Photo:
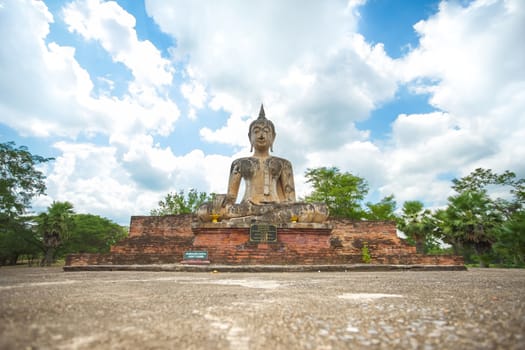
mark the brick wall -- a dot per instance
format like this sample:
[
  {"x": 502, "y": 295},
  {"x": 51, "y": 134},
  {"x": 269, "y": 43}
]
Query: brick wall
[
  {"x": 293, "y": 246},
  {"x": 170, "y": 225},
  {"x": 163, "y": 240},
  {"x": 380, "y": 236},
  {"x": 152, "y": 245}
]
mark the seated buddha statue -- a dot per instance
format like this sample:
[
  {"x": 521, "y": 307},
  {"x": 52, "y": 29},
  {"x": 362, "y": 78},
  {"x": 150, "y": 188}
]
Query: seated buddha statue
[{"x": 270, "y": 192}]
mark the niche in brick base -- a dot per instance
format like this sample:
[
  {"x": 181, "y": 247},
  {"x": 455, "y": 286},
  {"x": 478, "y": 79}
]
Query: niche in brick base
[{"x": 165, "y": 239}]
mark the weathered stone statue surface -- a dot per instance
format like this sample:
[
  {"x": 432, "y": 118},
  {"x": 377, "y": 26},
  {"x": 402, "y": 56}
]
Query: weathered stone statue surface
[{"x": 270, "y": 191}]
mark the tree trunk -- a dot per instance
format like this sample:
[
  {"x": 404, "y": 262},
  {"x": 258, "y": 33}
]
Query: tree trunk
[
  {"x": 11, "y": 259},
  {"x": 482, "y": 249},
  {"x": 48, "y": 257},
  {"x": 420, "y": 244},
  {"x": 51, "y": 242}
]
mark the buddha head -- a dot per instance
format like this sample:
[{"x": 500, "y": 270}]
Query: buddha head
[{"x": 262, "y": 132}]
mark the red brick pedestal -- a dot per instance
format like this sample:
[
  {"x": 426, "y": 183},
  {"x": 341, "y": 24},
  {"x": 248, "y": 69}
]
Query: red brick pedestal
[{"x": 164, "y": 239}]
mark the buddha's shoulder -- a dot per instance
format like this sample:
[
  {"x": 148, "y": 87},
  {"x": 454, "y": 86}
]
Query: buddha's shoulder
[
  {"x": 283, "y": 161},
  {"x": 244, "y": 160}
]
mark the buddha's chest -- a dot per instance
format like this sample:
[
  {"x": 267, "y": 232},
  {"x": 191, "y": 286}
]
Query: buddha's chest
[{"x": 252, "y": 168}]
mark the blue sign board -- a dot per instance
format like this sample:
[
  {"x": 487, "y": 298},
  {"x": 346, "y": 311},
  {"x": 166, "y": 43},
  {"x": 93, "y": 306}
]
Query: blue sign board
[{"x": 196, "y": 255}]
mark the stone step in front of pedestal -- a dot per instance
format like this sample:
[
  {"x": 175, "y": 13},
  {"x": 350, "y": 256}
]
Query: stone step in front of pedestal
[
  {"x": 122, "y": 259},
  {"x": 214, "y": 268}
]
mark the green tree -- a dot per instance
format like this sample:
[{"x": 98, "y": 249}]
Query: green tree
[
  {"x": 471, "y": 223},
  {"x": 20, "y": 181},
  {"x": 480, "y": 178},
  {"x": 179, "y": 203},
  {"x": 54, "y": 228},
  {"x": 383, "y": 210},
  {"x": 417, "y": 224},
  {"x": 342, "y": 192},
  {"x": 17, "y": 239},
  {"x": 476, "y": 223},
  {"x": 510, "y": 246},
  {"x": 92, "y": 234}
]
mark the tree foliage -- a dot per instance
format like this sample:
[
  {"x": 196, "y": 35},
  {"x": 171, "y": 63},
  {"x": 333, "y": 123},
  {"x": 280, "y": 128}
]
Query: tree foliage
[
  {"x": 20, "y": 181},
  {"x": 480, "y": 179},
  {"x": 342, "y": 192},
  {"x": 484, "y": 221},
  {"x": 54, "y": 228},
  {"x": 178, "y": 203},
  {"x": 51, "y": 234},
  {"x": 60, "y": 231},
  {"x": 92, "y": 234},
  {"x": 385, "y": 209},
  {"x": 17, "y": 240},
  {"x": 477, "y": 223},
  {"x": 510, "y": 245},
  {"x": 417, "y": 224}
]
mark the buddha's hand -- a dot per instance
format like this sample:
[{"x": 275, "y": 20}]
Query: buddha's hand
[
  {"x": 228, "y": 200},
  {"x": 217, "y": 203}
]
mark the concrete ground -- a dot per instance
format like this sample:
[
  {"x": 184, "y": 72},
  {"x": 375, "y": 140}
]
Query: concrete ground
[{"x": 46, "y": 308}]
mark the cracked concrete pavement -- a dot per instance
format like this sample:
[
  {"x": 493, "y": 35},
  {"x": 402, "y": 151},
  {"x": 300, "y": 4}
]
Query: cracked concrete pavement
[{"x": 46, "y": 308}]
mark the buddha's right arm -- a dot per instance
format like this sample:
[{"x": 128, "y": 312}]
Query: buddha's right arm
[{"x": 233, "y": 187}]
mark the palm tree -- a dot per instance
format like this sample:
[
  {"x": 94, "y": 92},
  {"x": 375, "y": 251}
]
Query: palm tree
[
  {"x": 55, "y": 227},
  {"x": 415, "y": 223},
  {"x": 472, "y": 220}
]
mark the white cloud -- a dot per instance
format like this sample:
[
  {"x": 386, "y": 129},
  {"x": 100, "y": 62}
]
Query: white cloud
[
  {"x": 46, "y": 92},
  {"x": 114, "y": 28},
  {"x": 470, "y": 59},
  {"x": 195, "y": 92},
  {"x": 91, "y": 178},
  {"x": 39, "y": 82},
  {"x": 303, "y": 59},
  {"x": 97, "y": 181},
  {"x": 475, "y": 53},
  {"x": 235, "y": 132},
  {"x": 315, "y": 92}
]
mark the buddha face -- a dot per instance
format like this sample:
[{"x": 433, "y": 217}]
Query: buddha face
[{"x": 261, "y": 136}]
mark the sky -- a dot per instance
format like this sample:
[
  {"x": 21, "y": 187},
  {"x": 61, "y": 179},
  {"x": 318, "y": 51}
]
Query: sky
[{"x": 138, "y": 98}]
